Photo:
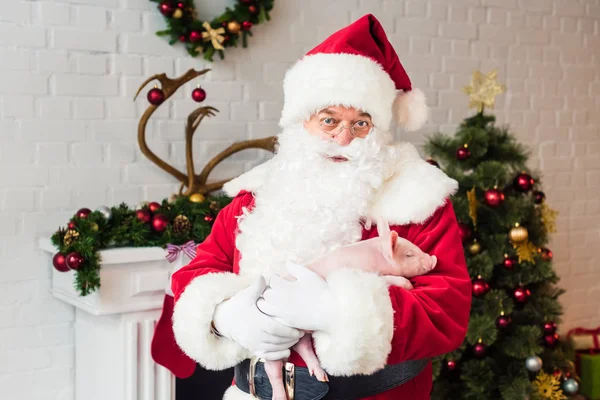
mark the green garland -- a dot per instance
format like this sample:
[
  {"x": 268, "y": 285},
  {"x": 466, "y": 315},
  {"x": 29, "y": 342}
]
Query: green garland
[
  {"x": 232, "y": 26},
  {"x": 88, "y": 235}
]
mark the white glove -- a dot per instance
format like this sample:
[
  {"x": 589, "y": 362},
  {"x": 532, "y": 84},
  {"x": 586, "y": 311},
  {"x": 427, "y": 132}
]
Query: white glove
[
  {"x": 240, "y": 320},
  {"x": 305, "y": 303}
]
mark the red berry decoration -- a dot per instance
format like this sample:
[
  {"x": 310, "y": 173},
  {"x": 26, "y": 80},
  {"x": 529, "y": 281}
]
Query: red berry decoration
[
  {"x": 195, "y": 36},
  {"x": 523, "y": 182},
  {"x": 74, "y": 260},
  {"x": 557, "y": 373},
  {"x": 463, "y": 153},
  {"x": 143, "y": 215},
  {"x": 71, "y": 225},
  {"x": 521, "y": 294},
  {"x": 180, "y": 5},
  {"x": 156, "y": 96},
  {"x": 465, "y": 231},
  {"x": 479, "y": 350},
  {"x": 433, "y": 162},
  {"x": 494, "y": 197},
  {"x": 253, "y": 9},
  {"x": 503, "y": 321},
  {"x": 208, "y": 218},
  {"x": 166, "y": 8},
  {"x": 83, "y": 213},
  {"x": 538, "y": 197},
  {"x": 59, "y": 262},
  {"x": 480, "y": 287},
  {"x": 246, "y": 25},
  {"x": 159, "y": 222},
  {"x": 182, "y": 38},
  {"x": 198, "y": 95},
  {"x": 451, "y": 365},
  {"x": 551, "y": 340},
  {"x": 550, "y": 327},
  {"x": 546, "y": 254},
  {"x": 509, "y": 262},
  {"x": 154, "y": 206},
  {"x": 246, "y": 2}
]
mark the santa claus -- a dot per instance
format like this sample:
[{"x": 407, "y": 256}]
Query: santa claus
[{"x": 335, "y": 171}]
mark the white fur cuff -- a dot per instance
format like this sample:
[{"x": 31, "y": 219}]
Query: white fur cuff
[
  {"x": 361, "y": 335},
  {"x": 192, "y": 317},
  {"x": 233, "y": 393}
]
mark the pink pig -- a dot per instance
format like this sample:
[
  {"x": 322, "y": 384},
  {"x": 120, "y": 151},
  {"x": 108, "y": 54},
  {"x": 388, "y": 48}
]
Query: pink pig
[{"x": 388, "y": 255}]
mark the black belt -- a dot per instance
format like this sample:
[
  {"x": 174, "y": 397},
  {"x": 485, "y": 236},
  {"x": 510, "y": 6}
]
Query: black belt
[{"x": 305, "y": 387}]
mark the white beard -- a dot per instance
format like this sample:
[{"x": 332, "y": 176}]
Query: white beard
[{"x": 309, "y": 205}]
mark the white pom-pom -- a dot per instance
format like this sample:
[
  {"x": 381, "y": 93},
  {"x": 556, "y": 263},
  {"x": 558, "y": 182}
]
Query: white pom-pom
[{"x": 411, "y": 110}]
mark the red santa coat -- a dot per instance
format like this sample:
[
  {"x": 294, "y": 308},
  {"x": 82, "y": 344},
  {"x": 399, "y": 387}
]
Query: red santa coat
[{"x": 381, "y": 325}]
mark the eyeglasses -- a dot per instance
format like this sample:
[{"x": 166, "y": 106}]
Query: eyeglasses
[{"x": 333, "y": 127}]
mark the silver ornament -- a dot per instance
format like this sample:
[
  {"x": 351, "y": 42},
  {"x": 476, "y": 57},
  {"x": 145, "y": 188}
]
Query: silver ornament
[
  {"x": 104, "y": 210},
  {"x": 533, "y": 363},
  {"x": 570, "y": 386}
]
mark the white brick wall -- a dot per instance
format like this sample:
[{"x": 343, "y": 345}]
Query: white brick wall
[{"x": 69, "y": 69}]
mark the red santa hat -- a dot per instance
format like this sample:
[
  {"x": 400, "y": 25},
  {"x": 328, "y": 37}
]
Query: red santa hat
[{"x": 355, "y": 67}]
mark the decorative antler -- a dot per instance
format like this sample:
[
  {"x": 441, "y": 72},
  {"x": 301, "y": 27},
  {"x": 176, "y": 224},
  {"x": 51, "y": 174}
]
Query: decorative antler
[{"x": 195, "y": 183}]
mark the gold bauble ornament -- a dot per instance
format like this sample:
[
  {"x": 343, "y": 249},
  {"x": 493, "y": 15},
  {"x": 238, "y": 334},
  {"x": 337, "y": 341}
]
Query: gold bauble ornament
[
  {"x": 234, "y": 27},
  {"x": 94, "y": 227},
  {"x": 178, "y": 13},
  {"x": 475, "y": 248},
  {"x": 197, "y": 198},
  {"x": 518, "y": 234}
]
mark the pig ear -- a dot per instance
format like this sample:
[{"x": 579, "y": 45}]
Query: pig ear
[
  {"x": 393, "y": 244},
  {"x": 383, "y": 228}
]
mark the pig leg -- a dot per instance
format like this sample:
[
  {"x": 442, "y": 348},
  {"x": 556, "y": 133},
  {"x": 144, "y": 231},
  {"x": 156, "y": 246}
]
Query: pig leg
[
  {"x": 275, "y": 374},
  {"x": 305, "y": 350},
  {"x": 398, "y": 281}
]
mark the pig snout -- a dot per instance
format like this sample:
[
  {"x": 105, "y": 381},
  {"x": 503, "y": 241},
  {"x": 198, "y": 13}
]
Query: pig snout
[{"x": 428, "y": 262}]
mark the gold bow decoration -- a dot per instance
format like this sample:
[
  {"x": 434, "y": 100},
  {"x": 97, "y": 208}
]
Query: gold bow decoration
[{"x": 214, "y": 35}]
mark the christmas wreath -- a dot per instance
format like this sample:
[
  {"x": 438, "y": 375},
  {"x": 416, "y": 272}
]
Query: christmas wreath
[
  {"x": 207, "y": 37},
  {"x": 174, "y": 221}
]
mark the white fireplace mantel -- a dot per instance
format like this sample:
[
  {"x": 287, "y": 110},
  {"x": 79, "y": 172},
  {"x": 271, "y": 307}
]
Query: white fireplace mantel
[{"x": 115, "y": 324}]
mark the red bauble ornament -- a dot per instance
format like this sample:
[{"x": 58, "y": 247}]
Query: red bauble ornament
[
  {"x": 451, "y": 365},
  {"x": 83, "y": 213},
  {"x": 156, "y": 96},
  {"x": 208, "y": 218},
  {"x": 246, "y": 2},
  {"x": 480, "y": 287},
  {"x": 494, "y": 197},
  {"x": 59, "y": 262},
  {"x": 159, "y": 222},
  {"x": 143, "y": 215},
  {"x": 503, "y": 321},
  {"x": 74, "y": 260},
  {"x": 226, "y": 39},
  {"x": 557, "y": 373},
  {"x": 538, "y": 197},
  {"x": 479, "y": 350},
  {"x": 521, "y": 294},
  {"x": 551, "y": 340},
  {"x": 198, "y": 95},
  {"x": 523, "y": 182},
  {"x": 465, "y": 231},
  {"x": 166, "y": 8},
  {"x": 253, "y": 9},
  {"x": 71, "y": 225},
  {"x": 433, "y": 162},
  {"x": 182, "y": 38},
  {"x": 546, "y": 254},
  {"x": 195, "y": 36},
  {"x": 550, "y": 328},
  {"x": 509, "y": 262},
  {"x": 154, "y": 206},
  {"x": 180, "y": 5},
  {"x": 246, "y": 25},
  {"x": 463, "y": 153}
]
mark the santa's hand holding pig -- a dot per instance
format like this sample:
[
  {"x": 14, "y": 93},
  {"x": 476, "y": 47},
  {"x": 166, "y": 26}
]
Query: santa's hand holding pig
[{"x": 335, "y": 171}]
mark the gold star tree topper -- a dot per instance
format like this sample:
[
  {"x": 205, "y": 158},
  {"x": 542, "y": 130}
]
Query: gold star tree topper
[{"x": 483, "y": 90}]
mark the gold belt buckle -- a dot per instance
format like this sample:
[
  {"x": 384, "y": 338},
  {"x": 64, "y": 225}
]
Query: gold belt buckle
[{"x": 289, "y": 380}]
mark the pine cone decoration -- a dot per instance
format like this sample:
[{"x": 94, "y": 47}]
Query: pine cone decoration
[
  {"x": 181, "y": 225},
  {"x": 70, "y": 237},
  {"x": 214, "y": 206}
]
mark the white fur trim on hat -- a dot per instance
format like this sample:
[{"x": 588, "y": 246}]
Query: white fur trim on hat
[
  {"x": 321, "y": 80},
  {"x": 411, "y": 110}
]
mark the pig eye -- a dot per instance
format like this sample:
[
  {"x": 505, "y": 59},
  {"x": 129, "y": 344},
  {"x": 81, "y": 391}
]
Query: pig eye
[{"x": 409, "y": 255}]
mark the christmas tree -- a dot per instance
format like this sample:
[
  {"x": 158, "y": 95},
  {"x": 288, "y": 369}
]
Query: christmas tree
[{"x": 511, "y": 350}]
